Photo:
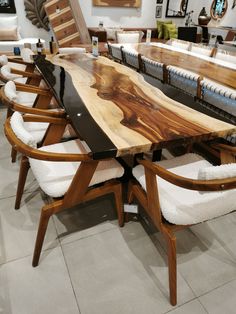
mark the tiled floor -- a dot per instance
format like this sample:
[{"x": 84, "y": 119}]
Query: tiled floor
[{"x": 91, "y": 266}]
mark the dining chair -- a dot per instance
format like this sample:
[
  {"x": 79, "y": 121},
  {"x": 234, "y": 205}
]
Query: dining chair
[
  {"x": 115, "y": 51},
  {"x": 178, "y": 43},
  {"x": 20, "y": 76},
  {"x": 184, "y": 80},
  {"x": 225, "y": 55},
  {"x": 202, "y": 50},
  {"x": 129, "y": 37},
  {"x": 180, "y": 192},
  {"x": 152, "y": 68},
  {"x": 131, "y": 58},
  {"x": 24, "y": 98},
  {"x": 65, "y": 171},
  {"x": 31, "y": 100}
]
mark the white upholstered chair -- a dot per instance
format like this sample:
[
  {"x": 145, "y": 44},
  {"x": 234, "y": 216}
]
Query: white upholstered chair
[
  {"x": 178, "y": 43},
  {"x": 129, "y": 37},
  {"x": 180, "y": 192},
  {"x": 72, "y": 50},
  {"x": 219, "y": 96},
  {"x": 183, "y": 79},
  {"x": 58, "y": 169},
  {"x": 152, "y": 68},
  {"x": 225, "y": 56},
  {"x": 131, "y": 58},
  {"x": 201, "y": 50},
  {"x": 115, "y": 51}
]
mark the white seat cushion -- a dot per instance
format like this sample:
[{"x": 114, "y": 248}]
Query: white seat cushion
[
  {"x": 182, "y": 206},
  {"x": 54, "y": 178},
  {"x": 6, "y": 73}
]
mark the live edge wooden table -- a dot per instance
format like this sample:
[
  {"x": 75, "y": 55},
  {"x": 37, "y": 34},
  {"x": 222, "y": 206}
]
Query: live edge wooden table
[{"x": 117, "y": 113}]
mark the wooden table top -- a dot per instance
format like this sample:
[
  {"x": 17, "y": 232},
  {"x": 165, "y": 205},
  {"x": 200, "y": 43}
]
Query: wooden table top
[
  {"x": 207, "y": 69},
  {"x": 116, "y": 112}
]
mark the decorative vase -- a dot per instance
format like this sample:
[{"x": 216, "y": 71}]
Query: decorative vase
[{"x": 203, "y": 18}]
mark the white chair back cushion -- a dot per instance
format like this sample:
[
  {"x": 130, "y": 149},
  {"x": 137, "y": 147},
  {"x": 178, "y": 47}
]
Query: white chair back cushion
[
  {"x": 17, "y": 125},
  {"x": 218, "y": 172},
  {"x": 131, "y": 38},
  {"x": 3, "y": 60},
  {"x": 55, "y": 178},
  {"x": 72, "y": 50},
  {"x": 10, "y": 91},
  {"x": 6, "y": 73},
  {"x": 26, "y": 54},
  {"x": 182, "y": 206},
  {"x": 180, "y": 44},
  {"x": 111, "y": 32},
  {"x": 225, "y": 57},
  {"x": 201, "y": 50}
]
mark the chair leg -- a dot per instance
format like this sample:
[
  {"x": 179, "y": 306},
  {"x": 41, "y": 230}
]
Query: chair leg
[
  {"x": 171, "y": 247},
  {"x": 9, "y": 112},
  {"x": 13, "y": 155},
  {"x": 46, "y": 213},
  {"x": 119, "y": 204},
  {"x": 24, "y": 168}
]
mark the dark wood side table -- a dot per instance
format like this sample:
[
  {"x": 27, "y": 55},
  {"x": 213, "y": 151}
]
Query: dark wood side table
[{"x": 98, "y": 32}]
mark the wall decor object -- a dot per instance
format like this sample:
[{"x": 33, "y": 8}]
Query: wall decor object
[
  {"x": 218, "y": 8},
  {"x": 234, "y": 4},
  {"x": 7, "y": 6},
  {"x": 158, "y": 11},
  {"x": 36, "y": 14},
  {"x": 159, "y": 1},
  {"x": 176, "y": 8},
  {"x": 117, "y": 3},
  {"x": 203, "y": 18}
]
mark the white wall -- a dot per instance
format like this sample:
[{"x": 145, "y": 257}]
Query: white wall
[
  {"x": 113, "y": 16},
  {"x": 27, "y": 28},
  {"x": 145, "y": 16}
]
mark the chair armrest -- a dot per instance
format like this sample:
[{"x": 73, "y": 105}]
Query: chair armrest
[
  {"x": 19, "y": 61},
  {"x": 32, "y": 89},
  {"x": 46, "y": 119},
  {"x": 26, "y": 74},
  {"x": 39, "y": 154},
  {"x": 190, "y": 184}
]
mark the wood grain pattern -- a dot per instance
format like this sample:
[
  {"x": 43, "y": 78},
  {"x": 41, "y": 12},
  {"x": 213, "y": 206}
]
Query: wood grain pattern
[
  {"x": 134, "y": 115},
  {"x": 210, "y": 70},
  {"x": 118, "y": 3}
]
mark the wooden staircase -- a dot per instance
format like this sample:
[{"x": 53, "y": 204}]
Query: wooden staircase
[{"x": 67, "y": 22}]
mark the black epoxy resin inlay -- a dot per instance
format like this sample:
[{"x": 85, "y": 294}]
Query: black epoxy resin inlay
[{"x": 68, "y": 98}]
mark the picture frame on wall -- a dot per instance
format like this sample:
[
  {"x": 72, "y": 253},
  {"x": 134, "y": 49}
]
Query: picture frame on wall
[
  {"x": 7, "y": 6},
  {"x": 158, "y": 11},
  {"x": 159, "y": 1}
]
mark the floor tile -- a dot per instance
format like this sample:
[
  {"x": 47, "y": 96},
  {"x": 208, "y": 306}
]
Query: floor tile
[
  {"x": 45, "y": 289},
  {"x": 121, "y": 271},
  {"x": 221, "y": 300},
  {"x": 193, "y": 307},
  {"x": 206, "y": 254},
  {"x": 18, "y": 228},
  {"x": 86, "y": 219}
]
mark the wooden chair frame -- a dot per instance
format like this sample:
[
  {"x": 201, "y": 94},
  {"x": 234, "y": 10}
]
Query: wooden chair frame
[
  {"x": 40, "y": 106},
  {"x": 150, "y": 202},
  {"x": 33, "y": 78},
  {"x": 78, "y": 191}
]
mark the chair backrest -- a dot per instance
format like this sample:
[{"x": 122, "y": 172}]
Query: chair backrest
[
  {"x": 18, "y": 127},
  {"x": 6, "y": 73},
  {"x": 10, "y": 91},
  {"x": 201, "y": 49},
  {"x": 3, "y": 60},
  {"x": 187, "y": 33},
  {"x": 182, "y": 44},
  {"x": 26, "y": 54},
  {"x": 115, "y": 51},
  {"x": 225, "y": 56},
  {"x": 131, "y": 58},
  {"x": 132, "y": 37}
]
